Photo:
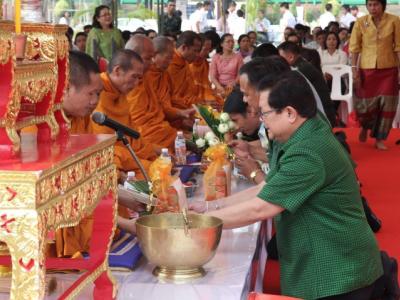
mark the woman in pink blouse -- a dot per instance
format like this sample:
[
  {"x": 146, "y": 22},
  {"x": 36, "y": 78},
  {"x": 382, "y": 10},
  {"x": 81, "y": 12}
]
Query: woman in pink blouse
[{"x": 225, "y": 65}]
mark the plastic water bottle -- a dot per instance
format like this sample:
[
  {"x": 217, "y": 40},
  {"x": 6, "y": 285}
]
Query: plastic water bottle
[
  {"x": 131, "y": 176},
  {"x": 180, "y": 149},
  {"x": 196, "y": 128},
  {"x": 165, "y": 155}
]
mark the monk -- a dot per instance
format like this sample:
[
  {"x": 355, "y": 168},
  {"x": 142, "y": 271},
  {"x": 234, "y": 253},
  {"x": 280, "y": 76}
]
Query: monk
[
  {"x": 124, "y": 73},
  {"x": 185, "y": 91},
  {"x": 80, "y": 100},
  {"x": 200, "y": 69},
  {"x": 146, "y": 111}
]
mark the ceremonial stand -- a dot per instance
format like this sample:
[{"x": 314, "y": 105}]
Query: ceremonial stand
[{"x": 49, "y": 180}]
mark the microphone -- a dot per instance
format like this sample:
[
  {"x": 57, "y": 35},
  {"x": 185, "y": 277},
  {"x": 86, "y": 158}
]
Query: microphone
[{"x": 103, "y": 120}]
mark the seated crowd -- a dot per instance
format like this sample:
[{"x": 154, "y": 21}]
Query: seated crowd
[{"x": 280, "y": 101}]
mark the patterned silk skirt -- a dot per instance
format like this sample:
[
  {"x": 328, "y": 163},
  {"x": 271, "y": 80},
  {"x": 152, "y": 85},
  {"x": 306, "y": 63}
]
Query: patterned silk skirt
[{"x": 375, "y": 100}]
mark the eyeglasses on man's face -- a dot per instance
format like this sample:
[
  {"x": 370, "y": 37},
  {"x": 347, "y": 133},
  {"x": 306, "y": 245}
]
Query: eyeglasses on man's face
[{"x": 264, "y": 114}]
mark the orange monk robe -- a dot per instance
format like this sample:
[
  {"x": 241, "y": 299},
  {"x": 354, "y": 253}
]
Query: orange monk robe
[
  {"x": 72, "y": 241},
  {"x": 115, "y": 106},
  {"x": 161, "y": 84},
  {"x": 185, "y": 92},
  {"x": 200, "y": 70},
  {"x": 147, "y": 113}
]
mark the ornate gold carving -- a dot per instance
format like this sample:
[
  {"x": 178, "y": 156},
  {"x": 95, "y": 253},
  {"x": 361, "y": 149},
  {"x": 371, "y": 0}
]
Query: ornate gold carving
[
  {"x": 34, "y": 80},
  {"x": 6, "y": 47}
]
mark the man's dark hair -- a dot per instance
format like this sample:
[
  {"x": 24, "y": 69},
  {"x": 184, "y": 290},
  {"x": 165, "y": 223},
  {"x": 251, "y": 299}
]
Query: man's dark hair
[
  {"x": 81, "y": 65},
  {"x": 354, "y": 7},
  {"x": 206, "y": 3},
  {"x": 268, "y": 82},
  {"x": 293, "y": 90},
  {"x": 123, "y": 58},
  {"x": 234, "y": 103},
  {"x": 299, "y": 27},
  {"x": 258, "y": 67},
  {"x": 322, "y": 32},
  {"x": 88, "y": 26},
  {"x": 351, "y": 26},
  {"x": 70, "y": 32},
  {"x": 96, "y": 15},
  {"x": 383, "y": 2},
  {"x": 328, "y": 7},
  {"x": 346, "y": 7},
  {"x": 126, "y": 35},
  {"x": 285, "y": 5},
  {"x": 289, "y": 47},
  {"x": 240, "y": 13},
  {"x": 187, "y": 38},
  {"x": 294, "y": 34},
  {"x": 199, "y": 5},
  {"x": 78, "y": 35},
  {"x": 213, "y": 37},
  {"x": 265, "y": 50}
]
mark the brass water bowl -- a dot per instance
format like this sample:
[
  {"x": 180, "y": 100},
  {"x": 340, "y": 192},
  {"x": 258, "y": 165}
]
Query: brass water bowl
[{"x": 179, "y": 256}]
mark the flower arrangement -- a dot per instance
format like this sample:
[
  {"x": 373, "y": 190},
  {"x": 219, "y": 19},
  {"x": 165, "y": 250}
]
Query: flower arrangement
[{"x": 219, "y": 123}]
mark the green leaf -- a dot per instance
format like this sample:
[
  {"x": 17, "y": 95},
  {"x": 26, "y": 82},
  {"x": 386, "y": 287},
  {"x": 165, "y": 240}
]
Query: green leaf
[{"x": 140, "y": 186}]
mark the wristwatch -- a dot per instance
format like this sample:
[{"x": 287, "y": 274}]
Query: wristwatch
[{"x": 253, "y": 174}]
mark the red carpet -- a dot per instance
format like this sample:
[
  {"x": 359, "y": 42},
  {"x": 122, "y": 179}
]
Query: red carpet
[{"x": 379, "y": 173}]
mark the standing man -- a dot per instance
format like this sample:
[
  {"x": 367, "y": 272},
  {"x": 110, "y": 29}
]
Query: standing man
[
  {"x": 327, "y": 16},
  {"x": 287, "y": 20},
  {"x": 170, "y": 22},
  {"x": 347, "y": 17}
]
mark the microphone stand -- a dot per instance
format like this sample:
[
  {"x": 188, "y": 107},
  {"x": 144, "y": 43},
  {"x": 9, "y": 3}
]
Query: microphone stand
[{"x": 125, "y": 141}]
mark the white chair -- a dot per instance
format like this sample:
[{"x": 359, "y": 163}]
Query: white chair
[{"x": 337, "y": 72}]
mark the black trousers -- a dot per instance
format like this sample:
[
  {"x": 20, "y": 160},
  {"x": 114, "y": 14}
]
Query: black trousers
[{"x": 365, "y": 293}]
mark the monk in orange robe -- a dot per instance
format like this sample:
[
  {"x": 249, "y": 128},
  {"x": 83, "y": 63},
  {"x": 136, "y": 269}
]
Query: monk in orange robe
[
  {"x": 185, "y": 91},
  {"x": 200, "y": 69},
  {"x": 125, "y": 71},
  {"x": 146, "y": 110}
]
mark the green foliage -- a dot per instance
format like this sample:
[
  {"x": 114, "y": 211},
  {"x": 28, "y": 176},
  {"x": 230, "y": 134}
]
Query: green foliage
[
  {"x": 273, "y": 13},
  {"x": 60, "y": 7},
  {"x": 211, "y": 121},
  {"x": 251, "y": 12},
  {"x": 312, "y": 14},
  {"x": 140, "y": 12}
]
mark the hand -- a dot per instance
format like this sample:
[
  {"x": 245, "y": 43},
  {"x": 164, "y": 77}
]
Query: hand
[
  {"x": 246, "y": 166},
  {"x": 356, "y": 76},
  {"x": 187, "y": 113},
  {"x": 220, "y": 89},
  {"x": 187, "y": 124},
  {"x": 240, "y": 146},
  {"x": 198, "y": 206},
  {"x": 122, "y": 177}
]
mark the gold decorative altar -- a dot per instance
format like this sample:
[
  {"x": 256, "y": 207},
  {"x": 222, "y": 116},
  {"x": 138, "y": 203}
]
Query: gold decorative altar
[{"x": 49, "y": 180}]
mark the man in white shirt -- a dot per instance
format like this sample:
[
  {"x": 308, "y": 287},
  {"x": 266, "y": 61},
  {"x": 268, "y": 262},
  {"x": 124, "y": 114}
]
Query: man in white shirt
[
  {"x": 196, "y": 18},
  {"x": 347, "y": 17},
  {"x": 355, "y": 12},
  {"x": 287, "y": 20},
  {"x": 327, "y": 16},
  {"x": 239, "y": 27},
  {"x": 232, "y": 18}
]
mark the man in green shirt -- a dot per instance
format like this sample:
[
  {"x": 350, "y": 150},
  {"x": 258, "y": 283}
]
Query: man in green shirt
[{"x": 326, "y": 247}]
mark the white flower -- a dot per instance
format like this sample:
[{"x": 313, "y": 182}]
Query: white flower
[
  {"x": 232, "y": 125},
  {"x": 209, "y": 135},
  {"x": 200, "y": 142},
  {"x": 224, "y": 117},
  {"x": 223, "y": 128},
  {"x": 239, "y": 135},
  {"x": 213, "y": 142}
]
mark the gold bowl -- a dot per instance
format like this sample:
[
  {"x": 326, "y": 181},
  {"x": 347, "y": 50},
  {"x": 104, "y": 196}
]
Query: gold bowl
[{"x": 178, "y": 255}]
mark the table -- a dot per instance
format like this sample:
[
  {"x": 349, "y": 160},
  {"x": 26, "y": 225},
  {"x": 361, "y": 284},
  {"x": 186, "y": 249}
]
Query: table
[
  {"x": 228, "y": 273},
  {"x": 53, "y": 185}
]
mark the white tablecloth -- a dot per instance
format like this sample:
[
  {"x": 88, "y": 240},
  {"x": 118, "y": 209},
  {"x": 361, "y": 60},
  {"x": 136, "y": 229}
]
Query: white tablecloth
[{"x": 227, "y": 273}]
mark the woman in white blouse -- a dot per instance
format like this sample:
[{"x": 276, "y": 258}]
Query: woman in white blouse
[{"x": 332, "y": 55}]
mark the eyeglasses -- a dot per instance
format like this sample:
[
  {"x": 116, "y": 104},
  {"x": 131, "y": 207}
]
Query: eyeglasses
[
  {"x": 264, "y": 114},
  {"x": 105, "y": 15}
]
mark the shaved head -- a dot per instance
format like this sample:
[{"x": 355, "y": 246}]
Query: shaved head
[
  {"x": 123, "y": 59},
  {"x": 143, "y": 46},
  {"x": 164, "y": 51},
  {"x": 81, "y": 66},
  {"x": 162, "y": 44}
]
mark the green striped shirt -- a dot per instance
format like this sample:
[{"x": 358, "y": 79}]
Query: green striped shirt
[{"x": 325, "y": 244}]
